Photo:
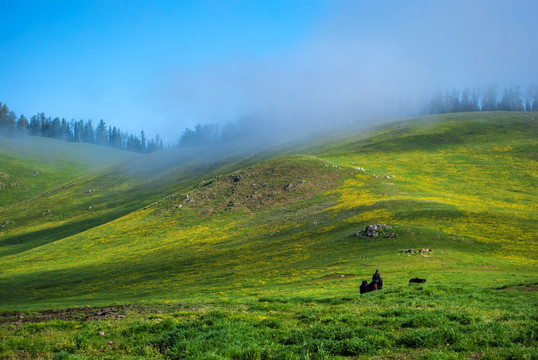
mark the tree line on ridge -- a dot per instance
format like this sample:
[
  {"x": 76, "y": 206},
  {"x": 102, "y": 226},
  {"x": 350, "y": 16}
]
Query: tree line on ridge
[{"x": 467, "y": 100}]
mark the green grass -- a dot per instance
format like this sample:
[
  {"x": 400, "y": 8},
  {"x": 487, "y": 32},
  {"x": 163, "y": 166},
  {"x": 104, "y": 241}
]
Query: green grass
[
  {"x": 426, "y": 321},
  {"x": 255, "y": 257},
  {"x": 32, "y": 166}
]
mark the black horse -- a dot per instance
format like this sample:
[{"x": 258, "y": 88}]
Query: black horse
[
  {"x": 365, "y": 287},
  {"x": 417, "y": 281}
]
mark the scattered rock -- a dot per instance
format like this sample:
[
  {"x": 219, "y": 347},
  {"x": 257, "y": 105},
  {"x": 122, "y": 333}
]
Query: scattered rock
[
  {"x": 45, "y": 212},
  {"x": 408, "y": 251},
  {"x": 207, "y": 211},
  {"x": 4, "y": 224},
  {"x": 208, "y": 183},
  {"x": 371, "y": 231},
  {"x": 425, "y": 251},
  {"x": 35, "y": 173},
  {"x": 292, "y": 186},
  {"x": 188, "y": 199},
  {"x": 391, "y": 235},
  {"x": 238, "y": 178}
]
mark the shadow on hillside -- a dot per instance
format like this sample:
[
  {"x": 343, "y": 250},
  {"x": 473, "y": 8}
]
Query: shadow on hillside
[
  {"x": 416, "y": 142},
  {"x": 404, "y": 138},
  {"x": 12, "y": 245}
]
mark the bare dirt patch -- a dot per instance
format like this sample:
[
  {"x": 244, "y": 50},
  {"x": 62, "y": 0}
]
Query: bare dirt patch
[
  {"x": 520, "y": 287},
  {"x": 70, "y": 314}
]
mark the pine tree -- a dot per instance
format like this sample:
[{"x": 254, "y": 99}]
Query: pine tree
[
  {"x": 22, "y": 125},
  {"x": 56, "y": 129},
  {"x": 65, "y": 131},
  {"x": 3, "y": 118},
  {"x": 535, "y": 100},
  {"x": 101, "y": 134},
  {"x": 35, "y": 126},
  {"x": 489, "y": 99},
  {"x": 89, "y": 133},
  {"x": 143, "y": 144}
]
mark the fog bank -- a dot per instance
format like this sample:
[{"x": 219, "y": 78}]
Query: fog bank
[{"x": 366, "y": 62}]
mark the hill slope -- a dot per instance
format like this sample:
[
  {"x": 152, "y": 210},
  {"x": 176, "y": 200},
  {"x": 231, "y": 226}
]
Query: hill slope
[
  {"x": 463, "y": 185},
  {"x": 31, "y": 166}
]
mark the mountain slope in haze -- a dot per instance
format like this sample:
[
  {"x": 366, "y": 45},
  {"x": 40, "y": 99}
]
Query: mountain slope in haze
[
  {"x": 74, "y": 203},
  {"x": 32, "y": 166},
  {"x": 464, "y": 185}
]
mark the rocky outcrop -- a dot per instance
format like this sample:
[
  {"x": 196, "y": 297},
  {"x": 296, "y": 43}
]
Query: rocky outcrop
[{"x": 372, "y": 231}]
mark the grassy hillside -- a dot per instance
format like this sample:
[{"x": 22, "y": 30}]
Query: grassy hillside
[
  {"x": 80, "y": 199},
  {"x": 263, "y": 249},
  {"x": 31, "y": 166}
]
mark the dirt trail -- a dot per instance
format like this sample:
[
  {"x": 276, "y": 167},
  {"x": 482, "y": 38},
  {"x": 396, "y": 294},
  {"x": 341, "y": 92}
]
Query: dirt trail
[{"x": 70, "y": 314}]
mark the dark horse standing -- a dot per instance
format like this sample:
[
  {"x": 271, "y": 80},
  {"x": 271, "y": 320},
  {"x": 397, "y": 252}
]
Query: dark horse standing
[
  {"x": 365, "y": 287},
  {"x": 376, "y": 284}
]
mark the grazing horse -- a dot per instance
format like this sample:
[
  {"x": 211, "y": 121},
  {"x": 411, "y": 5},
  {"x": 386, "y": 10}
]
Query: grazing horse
[
  {"x": 417, "y": 280},
  {"x": 365, "y": 287}
]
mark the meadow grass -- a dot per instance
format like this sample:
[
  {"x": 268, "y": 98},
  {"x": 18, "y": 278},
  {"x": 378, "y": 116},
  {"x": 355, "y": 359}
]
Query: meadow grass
[
  {"x": 32, "y": 166},
  {"x": 257, "y": 259},
  {"x": 419, "y": 322}
]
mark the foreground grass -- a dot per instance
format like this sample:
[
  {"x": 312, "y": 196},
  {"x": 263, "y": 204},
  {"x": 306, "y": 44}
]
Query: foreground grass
[{"x": 419, "y": 322}]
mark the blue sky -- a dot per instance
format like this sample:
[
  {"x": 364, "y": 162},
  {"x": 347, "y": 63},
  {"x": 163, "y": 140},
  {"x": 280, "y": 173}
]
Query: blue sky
[{"x": 160, "y": 66}]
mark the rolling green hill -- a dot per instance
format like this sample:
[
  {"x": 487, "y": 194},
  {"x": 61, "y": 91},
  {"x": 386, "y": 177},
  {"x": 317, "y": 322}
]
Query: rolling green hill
[
  {"x": 31, "y": 166},
  {"x": 270, "y": 234}
]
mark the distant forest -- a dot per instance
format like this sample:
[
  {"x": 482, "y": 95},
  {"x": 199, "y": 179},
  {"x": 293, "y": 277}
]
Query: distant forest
[
  {"x": 512, "y": 99},
  {"x": 75, "y": 131},
  {"x": 466, "y": 100}
]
